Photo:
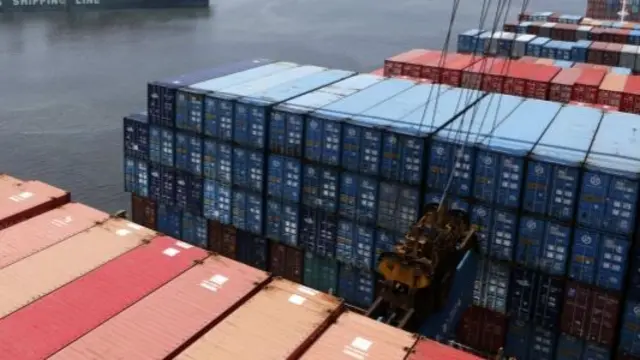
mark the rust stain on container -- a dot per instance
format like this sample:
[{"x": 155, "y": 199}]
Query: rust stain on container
[
  {"x": 222, "y": 239},
  {"x": 394, "y": 65},
  {"x": 28, "y": 199},
  {"x": 143, "y": 211},
  {"x": 31, "y": 236},
  {"x": 562, "y": 84},
  {"x": 611, "y": 90},
  {"x": 426, "y": 349},
  {"x": 279, "y": 322},
  {"x": 34, "y": 277},
  {"x": 354, "y": 336}
]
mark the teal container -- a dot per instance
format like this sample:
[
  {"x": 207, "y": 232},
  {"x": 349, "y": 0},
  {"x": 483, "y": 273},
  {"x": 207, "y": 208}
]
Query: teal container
[{"x": 320, "y": 273}]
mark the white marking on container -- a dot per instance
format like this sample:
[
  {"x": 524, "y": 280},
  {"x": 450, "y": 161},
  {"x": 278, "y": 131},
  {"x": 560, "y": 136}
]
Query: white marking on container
[
  {"x": 61, "y": 222},
  {"x": 123, "y": 232},
  {"x": 171, "y": 251},
  {"x": 134, "y": 226},
  {"x": 183, "y": 245},
  {"x": 215, "y": 283},
  {"x": 359, "y": 348},
  {"x": 21, "y": 197},
  {"x": 307, "y": 291},
  {"x": 297, "y": 299}
]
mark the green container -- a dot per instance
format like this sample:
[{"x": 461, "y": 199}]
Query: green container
[{"x": 320, "y": 273}]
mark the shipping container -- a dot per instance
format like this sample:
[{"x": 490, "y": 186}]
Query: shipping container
[
  {"x": 194, "y": 230},
  {"x": 355, "y": 244},
  {"x": 587, "y": 86},
  {"x": 136, "y": 136},
  {"x": 143, "y": 212},
  {"x": 414, "y": 67},
  {"x": 491, "y": 285},
  {"x": 24, "y": 282},
  {"x": 562, "y": 85},
  {"x": 358, "y": 198},
  {"x": 162, "y": 143},
  {"x": 500, "y": 162},
  {"x": 356, "y": 336},
  {"x": 426, "y": 349},
  {"x": 163, "y": 108},
  {"x": 283, "y": 219},
  {"x": 320, "y": 187},
  {"x": 217, "y": 160},
  {"x": 483, "y": 329},
  {"x": 28, "y": 199},
  {"x": 468, "y": 41},
  {"x": 222, "y": 239},
  {"x": 252, "y": 250},
  {"x": 522, "y": 295},
  {"x": 609, "y": 193},
  {"x": 217, "y": 201},
  {"x": 498, "y": 231},
  {"x": 286, "y": 261},
  {"x": 548, "y": 301},
  {"x": 553, "y": 172},
  {"x": 611, "y": 90},
  {"x": 394, "y": 65},
  {"x": 136, "y": 176},
  {"x": 633, "y": 285},
  {"x": 323, "y": 127},
  {"x": 169, "y": 220},
  {"x": 8, "y": 181},
  {"x": 34, "y": 332},
  {"x": 286, "y": 128},
  {"x": 162, "y": 184},
  {"x": 631, "y": 97},
  {"x": 40, "y": 232},
  {"x": 248, "y": 169},
  {"x": 284, "y": 178},
  {"x": 320, "y": 273},
  {"x": 293, "y": 314},
  {"x": 188, "y": 153},
  {"x": 629, "y": 57},
  {"x": 519, "y": 340},
  {"x": 630, "y": 330},
  {"x": 398, "y": 206},
  {"x": 569, "y": 348},
  {"x": 318, "y": 232},
  {"x": 247, "y": 211},
  {"x": 356, "y": 286},
  {"x": 189, "y": 193}
]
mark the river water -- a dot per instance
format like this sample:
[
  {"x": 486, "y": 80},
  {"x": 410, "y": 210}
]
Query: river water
[{"x": 66, "y": 81}]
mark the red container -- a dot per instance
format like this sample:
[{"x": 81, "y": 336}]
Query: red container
[
  {"x": 38, "y": 233},
  {"x": 143, "y": 211},
  {"x": 597, "y": 34},
  {"x": 203, "y": 296},
  {"x": 516, "y": 80},
  {"x": 548, "y": 62},
  {"x": 562, "y": 85},
  {"x": 591, "y": 66},
  {"x": 587, "y": 85},
  {"x": 426, "y": 349},
  {"x": 19, "y": 202},
  {"x": 590, "y": 313},
  {"x": 286, "y": 261},
  {"x": 611, "y": 90},
  {"x": 413, "y": 67},
  {"x": 379, "y": 72},
  {"x": 222, "y": 239},
  {"x": 528, "y": 59},
  {"x": 595, "y": 106},
  {"x": 53, "y": 322},
  {"x": 483, "y": 329},
  {"x": 539, "y": 81},
  {"x": 596, "y": 52},
  {"x": 472, "y": 77},
  {"x": 452, "y": 70},
  {"x": 7, "y": 180},
  {"x": 555, "y": 17},
  {"x": 631, "y": 96},
  {"x": 394, "y": 65},
  {"x": 510, "y": 27},
  {"x": 494, "y": 77},
  {"x": 611, "y": 56},
  {"x": 432, "y": 69}
]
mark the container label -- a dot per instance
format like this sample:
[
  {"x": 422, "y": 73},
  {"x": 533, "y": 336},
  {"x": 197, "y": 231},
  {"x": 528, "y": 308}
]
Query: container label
[
  {"x": 123, "y": 232},
  {"x": 215, "y": 283},
  {"x": 358, "y": 349},
  {"x": 307, "y": 291},
  {"x": 183, "y": 245},
  {"x": 297, "y": 299},
  {"x": 134, "y": 226},
  {"x": 61, "y": 222},
  {"x": 21, "y": 197},
  {"x": 171, "y": 252}
]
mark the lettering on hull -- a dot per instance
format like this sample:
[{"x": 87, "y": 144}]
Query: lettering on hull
[{"x": 39, "y": 2}]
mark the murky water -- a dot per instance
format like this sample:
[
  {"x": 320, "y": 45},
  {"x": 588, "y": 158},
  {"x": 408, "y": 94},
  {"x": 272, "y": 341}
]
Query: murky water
[{"x": 66, "y": 81}]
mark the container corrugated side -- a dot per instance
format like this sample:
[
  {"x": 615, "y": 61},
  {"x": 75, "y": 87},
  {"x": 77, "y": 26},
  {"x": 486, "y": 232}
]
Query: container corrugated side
[
  {"x": 498, "y": 231},
  {"x": 136, "y": 176},
  {"x": 200, "y": 297},
  {"x": 553, "y": 175},
  {"x": 320, "y": 273},
  {"x": 283, "y": 219},
  {"x": 194, "y": 230},
  {"x": 609, "y": 193},
  {"x": 143, "y": 212},
  {"x": 630, "y": 329},
  {"x": 286, "y": 126},
  {"x": 188, "y": 152},
  {"x": 217, "y": 160},
  {"x": 394, "y": 65},
  {"x": 161, "y": 94},
  {"x": 284, "y": 178},
  {"x": 252, "y": 250},
  {"x": 320, "y": 185},
  {"x": 355, "y": 244},
  {"x": 24, "y": 282},
  {"x": 543, "y": 245},
  {"x": 51, "y": 324},
  {"x": 162, "y": 145},
  {"x": 491, "y": 285},
  {"x": 354, "y": 335},
  {"x": 247, "y": 211},
  {"x": 569, "y": 348},
  {"x": 169, "y": 220},
  {"x": 295, "y": 315},
  {"x": 136, "y": 136},
  {"x": 189, "y": 193},
  {"x": 249, "y": 169},
  {"x": 518, "y": 341},
  {"x": 501, "y": 156},
  {"x": 483, "y": 329},
  {"x": 223, "y": 239},
  {"x": 38, "y": 233},
  {"x": 356, "y": 286},
  {"x": 318, "y": 232},
  {"x": 28, "y": 199},
  {"x": 611, "y": 90},
  {"x": 217, "y": 200}
]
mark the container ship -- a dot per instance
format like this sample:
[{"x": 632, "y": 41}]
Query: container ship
[{"x": 472, "y": 205}]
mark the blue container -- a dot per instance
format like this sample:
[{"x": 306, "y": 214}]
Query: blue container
[
  {"x": 155, "y": 182},
  {"x": 282, "y": 221},
  {"x": 248, "y": 169},
  {"x": 323, "y": 127},
  {"x": 161, "y": 146},
  {"x": 543, "y": 344},
  {"x": 553, "y": 173},
  {"x": 189, "y": 153},
  {"x": 189, "y": 193},
  {"x": 599, "y": 259},
  {"x": 564, "y": 63},
  {"x": 498, "y": 231},
  {"x": 621, "y": 71},
  {"x": 523, "y": 27},
  {"x": 549, "y": 301},
  {"x": 398, "y": 206},
  {"x": 564, "y": 52},
  {"x": 549, "y": 50},
  {"x": 535, "y": 46},
  {"x": 633, "y": 287},
  {"x": 217, "y": 160},
  {"x": 318, "y": 232},
  {"x": 468, "y": 40},
  {"x": 169, "y": 221},
  {"x": 356, "y": 286},
  {"x": 500, "y": 160},
  {"x": 630, "y": 329},
  {"x": 453, "y": 147},
  {"x": 217, "y": 201},
  {"x": 285, "y": 178},
  {"x": 385, "y": 241},
  {"x": 543, "y": 245},
  {"x": 491, "y": 288},
  {"x": 247, "y": 208},
  {"x": 194, "y": 230},
  {"x": 569, "y": 348},
  {"x": 286, "y": 128},
  {"x": 136, "y": 136},
  {"x": 364, "y": 144},
  {"x": 136, "y": 176},
  {"x": 251, "y": 250},
  {"x": 358, "y": 198},
  {"x": 522, "y": 294},
  {"x": 161, "y": 100},
  {"x": 609, "y": 193},
  {"x": 519, "y": 340},
  {"x": 505, "y": 44},
  {"x": 634, "y": 37},
  {"x": 596, "y": 352},
  {"x": 355, "y": 244},
  {"x": 320, "y": 187},
  {"x": 580, "y": 51}
]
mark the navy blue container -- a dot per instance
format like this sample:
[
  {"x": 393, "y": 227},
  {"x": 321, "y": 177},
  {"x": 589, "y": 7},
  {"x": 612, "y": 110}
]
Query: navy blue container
[
  {"x": 169, "y": 221},
  {"x": 323, "y": 127},
  {"x": 161, "y": 95},
  {"x": 596, "y": 352},
  {"x": 580, "y": 51},
  {"x": 453, "y": 146},
  {"x": 285, "y": 178},
  {"x": 136, "y": 136},
  {"x": 543, "y": 245},
  {"x": 168, "y": 186},
  {"x": 189, "y": 153},
  {"x": 398, "y": 206},
  {"x": 136, "y": 176},
  {"x": 358, "y": 198},
  {"x": 497, "y": 231},
  {"x": 246, "y": 209},
  {"x": 599, "y": 259},
  {"x": 553, "y": 172},
  {"x": 252, "y": 250},
  {"x": 385, "y": 241},
  {"x": 549, "y": 301},
  {"x": 189, "y": 193},
  {"x": 630, "y": 329},
  {"x": 609, "y": 193},
  {"x": 194, "y": 230},
  {"x": 569, "y": 348},
  {"x": 161, "y": 146},
  {"x": 320, "y": 187},
  {"x": 318, "y": 232},
  {"x": 355, "y": 244},
  {"x": 519, "y": 340},
  {"x": 286, "y": 130},
  {"x": 535, "y": 46},
  {"x": 283, "y": 220},
  {"x": 217, "y": 160},
  {"x": 452, "y": 202},
  {"x": 356, "y": 286},
  {"x": 248, "y": 169},
  {"x": 633, "y": 286},
  {"x": 522, "y": 294},
  {"x": 500, "y": 159},
  {"x": 543, "y": 344},
  {"x": 491, "y": 287},
  {"x": 468, "y": 40},
  {"x": 217, "y": 201},
  {"x": 155, "y": 182}
]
